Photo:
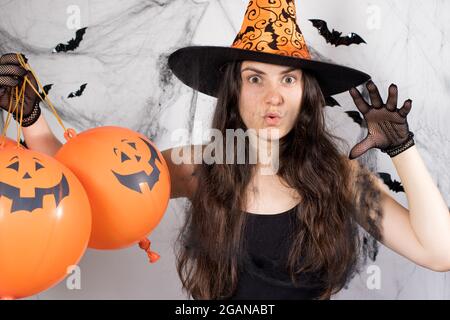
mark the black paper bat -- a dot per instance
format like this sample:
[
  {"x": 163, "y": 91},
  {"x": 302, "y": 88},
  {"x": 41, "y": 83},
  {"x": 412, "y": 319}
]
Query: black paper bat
[
  {"x": 356, "y": 116},
  {"x": 73, "y": 43},
  {"x": 334, "y": 37},
  {"x": 331, "y": 102},
  {"x": 59, "y": 191},
  {"x": 47, "y": 89},
  {"x": 133, "y": 180},
  {"x": 393, "y": 185},
  {"x": 77, "y": 93}
]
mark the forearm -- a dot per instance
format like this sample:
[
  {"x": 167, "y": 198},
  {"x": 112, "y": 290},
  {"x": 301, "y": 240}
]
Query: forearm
[
  {"x": 429, "y": 214},
  {"x": 39, "y": 137}
]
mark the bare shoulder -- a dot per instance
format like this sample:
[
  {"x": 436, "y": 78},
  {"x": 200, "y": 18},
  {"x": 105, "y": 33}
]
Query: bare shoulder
[{"x": 183, "y": 163}]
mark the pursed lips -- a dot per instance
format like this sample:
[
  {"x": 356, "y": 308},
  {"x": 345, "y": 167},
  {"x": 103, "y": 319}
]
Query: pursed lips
[{"x": 272, "y": 118}]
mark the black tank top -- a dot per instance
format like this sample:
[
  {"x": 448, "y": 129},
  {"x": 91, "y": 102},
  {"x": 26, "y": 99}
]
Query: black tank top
[{"x": 263, "y": 272}]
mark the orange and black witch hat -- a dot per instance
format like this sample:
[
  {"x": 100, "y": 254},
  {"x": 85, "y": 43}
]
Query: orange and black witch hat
[{"x": 269, "y": 34}]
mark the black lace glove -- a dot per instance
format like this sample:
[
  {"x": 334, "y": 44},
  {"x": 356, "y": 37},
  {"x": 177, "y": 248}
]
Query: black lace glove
[
  {"x": 12, "y": 75},
  {"x": 387, "y": 125}
]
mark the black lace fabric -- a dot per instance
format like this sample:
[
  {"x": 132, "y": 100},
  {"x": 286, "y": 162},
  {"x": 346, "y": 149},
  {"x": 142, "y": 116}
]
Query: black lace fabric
[{"x": 11, "y": 78}]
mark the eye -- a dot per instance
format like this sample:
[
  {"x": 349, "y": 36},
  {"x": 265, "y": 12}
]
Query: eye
[
  {"x": 14, "y": 166},
  {"x": 38, "y": 166},
  {"x": 124, "y": 157},
  {"x": 289, "y": 80},
  {"x": 254, "y": 79},
  {"x": 132, "y": 144}
]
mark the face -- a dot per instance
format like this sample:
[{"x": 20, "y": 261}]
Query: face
[
  {"x": 271, "y": 97},
  {"x": 26, "y": 179},
  {"x": 137, "y": 164}
]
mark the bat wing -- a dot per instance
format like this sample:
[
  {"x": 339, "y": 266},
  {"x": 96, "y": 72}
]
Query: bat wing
[
  {"x": 331, "y": 102},
  {"x": 357, "y": 38},
  {"x": 46, "y": 89},
  {"x": 352, "y": 38},
  {"x": 356, "y": 116},
  {"x": 79, "y": 92},
  {"x": 72, "y": 44},
  {"x": 393, "y": 185},
  {"x": 322, "y": 26},
  {"x": 79, "y": 34},
  {"x": 334, "y": 37}
]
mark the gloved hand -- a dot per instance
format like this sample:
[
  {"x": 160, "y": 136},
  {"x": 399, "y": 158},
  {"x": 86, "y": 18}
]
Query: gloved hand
[
  {"x": 12, "y": 75},
  {"x": 387, "y": 125}
]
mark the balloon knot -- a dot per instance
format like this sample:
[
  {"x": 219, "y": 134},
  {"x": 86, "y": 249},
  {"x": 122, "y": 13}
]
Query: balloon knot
[{"x": 145, "y": 245}]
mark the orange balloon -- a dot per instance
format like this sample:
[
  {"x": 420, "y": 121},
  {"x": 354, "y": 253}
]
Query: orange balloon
[
  {"x": 127, "y": 181},
  {"x": 45, "y": 222}
]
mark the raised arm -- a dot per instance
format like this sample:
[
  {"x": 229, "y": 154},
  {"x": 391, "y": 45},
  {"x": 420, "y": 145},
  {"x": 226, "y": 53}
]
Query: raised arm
[
  {"x": 40, "y": 137},
  {"x": 37, "y": 133}
]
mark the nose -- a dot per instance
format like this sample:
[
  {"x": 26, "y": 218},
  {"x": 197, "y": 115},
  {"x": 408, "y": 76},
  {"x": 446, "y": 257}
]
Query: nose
[
  {"x": 26, "y": 176},
  {"x": 273, "y": 96}
]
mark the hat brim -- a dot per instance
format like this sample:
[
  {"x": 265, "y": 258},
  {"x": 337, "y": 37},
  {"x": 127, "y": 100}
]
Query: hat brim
[{"x": 199, "y": 68}]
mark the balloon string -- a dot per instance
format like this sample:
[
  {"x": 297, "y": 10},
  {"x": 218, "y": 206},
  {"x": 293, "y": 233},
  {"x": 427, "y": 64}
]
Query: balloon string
[
  {"x": 19, "y": 98},
  {"x": 46, "y": 99},
  {"x": 8, "y": 117},
  {"x": 144, "y": 244},
  {"x": 22, "y": 98}
]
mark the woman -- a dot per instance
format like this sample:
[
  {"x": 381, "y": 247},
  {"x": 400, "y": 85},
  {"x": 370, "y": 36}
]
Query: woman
[{"x": 292, "y": 234}]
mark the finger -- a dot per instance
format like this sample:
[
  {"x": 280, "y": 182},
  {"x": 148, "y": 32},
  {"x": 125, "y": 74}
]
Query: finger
[
  {"x": 359, "y": 101},
  {"x": 391, "y": 103},
  {"x": 404, "y": 111},
  {"x": 362, "y": 147},
  {"x": 374, "y": 94},
  {"x": 11, "y": 58},
  {"x": 12, "y": 70},
  {"x": 8, "y": 81}
]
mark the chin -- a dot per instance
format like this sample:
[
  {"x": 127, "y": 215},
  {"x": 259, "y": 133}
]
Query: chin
[{"x": 272, "y": 133}]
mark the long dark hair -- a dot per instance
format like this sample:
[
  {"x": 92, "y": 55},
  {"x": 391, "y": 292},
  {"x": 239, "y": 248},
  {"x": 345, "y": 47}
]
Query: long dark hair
[{"x": 326, "y": 238}]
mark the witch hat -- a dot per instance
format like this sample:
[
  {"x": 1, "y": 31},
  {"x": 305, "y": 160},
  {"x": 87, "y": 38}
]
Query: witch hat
[{"x": 269, "y": 34}]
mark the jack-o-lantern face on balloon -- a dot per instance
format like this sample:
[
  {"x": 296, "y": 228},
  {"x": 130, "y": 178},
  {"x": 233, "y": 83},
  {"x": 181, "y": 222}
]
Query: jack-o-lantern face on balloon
[
  {"x": 136, "y": 164},
  {"x": 45, "y": 222},
  {"x": 127, "y": 180},
  {"x": 25, "y": 180}
]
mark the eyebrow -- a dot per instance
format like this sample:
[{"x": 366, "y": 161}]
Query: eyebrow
[{"x": 263, "y": 73}]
